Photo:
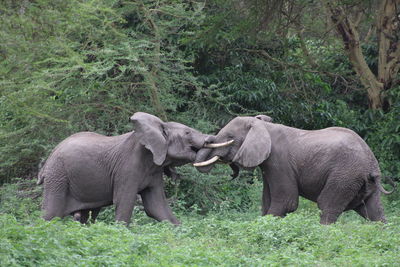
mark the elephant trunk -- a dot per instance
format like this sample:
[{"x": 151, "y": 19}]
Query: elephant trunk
[
  {"x": 201, "y": 156},
  {"x": 235, "y": 170}
]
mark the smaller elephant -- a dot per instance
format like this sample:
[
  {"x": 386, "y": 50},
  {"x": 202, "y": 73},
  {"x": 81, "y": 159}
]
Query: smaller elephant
[
  {"x": 88, "y": 171},
  {"x": 333, "y": 167}
]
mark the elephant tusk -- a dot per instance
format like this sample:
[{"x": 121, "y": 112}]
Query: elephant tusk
[
  {"x": 227, "y": 143},
  {"x": 207, "y": 162}
]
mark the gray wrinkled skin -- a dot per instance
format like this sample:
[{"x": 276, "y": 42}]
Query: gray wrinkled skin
[
  {"x": 333, "y": 167},
  {"x": 87, "y": 171}
]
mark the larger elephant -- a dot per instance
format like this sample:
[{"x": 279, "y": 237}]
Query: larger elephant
[
  {"x": 87, "y": 171},
  {"x": 333, "y": 167}
]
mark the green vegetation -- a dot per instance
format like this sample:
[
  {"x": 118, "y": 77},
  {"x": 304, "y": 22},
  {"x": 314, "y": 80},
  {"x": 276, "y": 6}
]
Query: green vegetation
[
  {"x": 79, "y": 65},
  {"x": 228, "y": 236}
]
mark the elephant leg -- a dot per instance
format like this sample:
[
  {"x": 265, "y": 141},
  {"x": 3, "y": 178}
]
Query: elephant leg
[
  {"x": 266, "y": 199},
  {"x": 124, "y": 200},
  {"x": 54, "y": 201},
  {"x": 284, "y": 195},
  {"x": 95, "y": 212},
  {"x": 84, "y": 216},
  {"x": 281, "y": 207},
  {"x": 335, "y": 197},
  {"x": 156, "y": 206},
  {"x": 124, "y": 209},
  {"x": 372, "y": 209}
]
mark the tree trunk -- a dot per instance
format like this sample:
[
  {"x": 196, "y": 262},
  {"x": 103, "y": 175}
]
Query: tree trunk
[
  {"x": 388, "y": 27},
  {"x": 351, "y": 40}
]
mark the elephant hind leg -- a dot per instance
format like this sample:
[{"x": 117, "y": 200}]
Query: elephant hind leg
[
  {"x": 82, "y": 216},
  {"x": 53, "y": 206},
  {"x": 93, "y": 215},
  {"x": 55, "y": 190},
  {"x": 335, "y": 197},
  {"x": 371, "y": 208}
]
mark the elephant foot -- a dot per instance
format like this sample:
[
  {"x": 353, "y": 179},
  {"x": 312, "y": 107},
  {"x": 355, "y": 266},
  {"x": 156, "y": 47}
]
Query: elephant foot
[
  {"x": 329, "y": 217},
  {"x": 77, "y": 216}
]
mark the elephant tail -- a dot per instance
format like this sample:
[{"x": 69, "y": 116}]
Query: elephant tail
[
  {"x": 40, "y": 178},
  {"x": 377, "y": 181},
  {"x": 42, "y": 166}
]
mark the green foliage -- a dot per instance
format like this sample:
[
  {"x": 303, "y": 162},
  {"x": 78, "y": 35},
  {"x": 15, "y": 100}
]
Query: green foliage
[
  {"x": 295, "y": 240},
  {"x": 70, "y": 66}
]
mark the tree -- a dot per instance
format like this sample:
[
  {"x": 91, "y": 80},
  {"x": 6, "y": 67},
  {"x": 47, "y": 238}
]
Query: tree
[
  {"x": 358, "y": 24},
  {"x": 388, "y": 37}
]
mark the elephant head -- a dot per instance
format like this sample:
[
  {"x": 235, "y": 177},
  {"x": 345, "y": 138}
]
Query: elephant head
[
  {"x": 169, "y": 142},
  {"x": 250, "y": 144}
]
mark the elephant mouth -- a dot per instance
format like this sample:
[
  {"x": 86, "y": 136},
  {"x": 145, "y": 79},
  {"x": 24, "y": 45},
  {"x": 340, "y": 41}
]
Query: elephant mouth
[{"x": 194, "y": 149}]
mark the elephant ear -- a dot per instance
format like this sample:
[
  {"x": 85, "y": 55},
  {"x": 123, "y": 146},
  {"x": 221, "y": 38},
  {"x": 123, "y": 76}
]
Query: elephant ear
[
  {"x": 265, "y": 118},
  {"x": 256, "y": 147},
  {"x": 149, "y": 130}
]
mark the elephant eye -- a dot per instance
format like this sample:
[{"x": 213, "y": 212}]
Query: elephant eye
[
  {"x": 164, "y": 132},
  {"x": 187, "y": 132}
]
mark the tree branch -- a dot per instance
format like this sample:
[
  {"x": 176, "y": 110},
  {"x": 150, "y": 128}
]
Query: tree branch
[{"x": 291, "y": 65}]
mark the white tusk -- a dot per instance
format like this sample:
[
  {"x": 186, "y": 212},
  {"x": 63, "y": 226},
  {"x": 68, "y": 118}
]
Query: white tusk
[
  {"x": 227, "y": 143},
  {"x": 207, "y": 162}
]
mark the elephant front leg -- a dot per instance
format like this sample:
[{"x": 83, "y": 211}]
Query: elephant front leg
[
  {"x": 124, "y": 209},
  {"x": 124, "y": 200},
  {"x": 266, "y": 199},
  {"x": 156, "y": 206},
  {"x": 94, "y": 214},
  {"x": 284, "y": 195}
]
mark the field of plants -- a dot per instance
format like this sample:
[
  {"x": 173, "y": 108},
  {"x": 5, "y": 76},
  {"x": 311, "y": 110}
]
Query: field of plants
[{"x": 226, "y": 235}]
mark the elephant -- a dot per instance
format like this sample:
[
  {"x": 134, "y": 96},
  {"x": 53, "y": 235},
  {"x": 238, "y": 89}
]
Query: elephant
[
  {"x": 88, "y": 171},
  {"x": 333, "y": 167}
]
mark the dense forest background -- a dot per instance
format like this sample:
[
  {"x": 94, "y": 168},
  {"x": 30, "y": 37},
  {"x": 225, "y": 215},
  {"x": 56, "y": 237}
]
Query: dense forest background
[
  {"x": 88, "y": 65},
  {"x": 69, "y": 66}
]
